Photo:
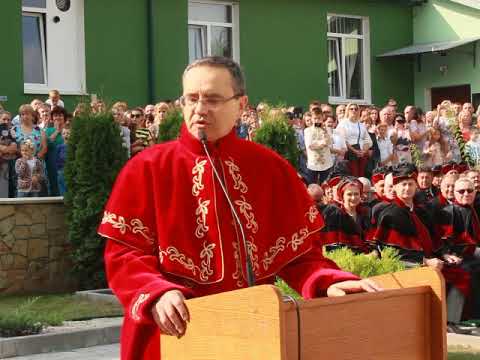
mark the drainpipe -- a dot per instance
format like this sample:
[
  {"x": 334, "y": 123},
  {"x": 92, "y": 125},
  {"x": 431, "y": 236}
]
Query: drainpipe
[{"x": 151, "y": 50}]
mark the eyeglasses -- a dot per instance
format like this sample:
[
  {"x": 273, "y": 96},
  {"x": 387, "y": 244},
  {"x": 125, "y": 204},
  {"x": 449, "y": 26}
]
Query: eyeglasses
[
  {"x": 354, "y": 108},
  {"x": 213, "y": 103},
  {"x": 463, "y": 191},
  {"x": 135, "y": 115}
]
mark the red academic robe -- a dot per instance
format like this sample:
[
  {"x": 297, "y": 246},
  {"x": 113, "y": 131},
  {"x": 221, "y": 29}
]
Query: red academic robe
[{"x": 170, "y": 227}]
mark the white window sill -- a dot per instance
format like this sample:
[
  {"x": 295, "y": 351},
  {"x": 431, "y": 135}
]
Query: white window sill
[
  {"x": 340, "y": 101},
  {"x": 43, "y": 90}
]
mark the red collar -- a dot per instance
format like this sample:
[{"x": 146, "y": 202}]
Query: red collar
[{"x": 194, "y": 145}]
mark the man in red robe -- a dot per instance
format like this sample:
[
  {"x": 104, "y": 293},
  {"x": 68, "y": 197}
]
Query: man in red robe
[{"x": 171, "y": 232}]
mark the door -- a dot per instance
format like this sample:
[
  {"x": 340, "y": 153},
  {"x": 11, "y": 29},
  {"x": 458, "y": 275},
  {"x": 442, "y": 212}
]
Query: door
[
  {"x": 66, "y": 46},
  {"x": 461, "y": 94}
]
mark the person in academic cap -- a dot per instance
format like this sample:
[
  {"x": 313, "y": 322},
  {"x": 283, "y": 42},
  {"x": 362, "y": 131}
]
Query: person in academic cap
[
  {"x": 425, "y": 192},
  {"x": 346, "y": 221}
]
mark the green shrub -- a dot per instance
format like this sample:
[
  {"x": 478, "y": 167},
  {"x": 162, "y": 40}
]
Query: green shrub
[
  {"x": 367, "y": 265},
  {"x": 94, "y": 158},
  {"x": 20, "y": 321},
  {"x": 361, "y": 265},
  {"x": 169, "y": 129},
  {"x": 278, "y": 135}
]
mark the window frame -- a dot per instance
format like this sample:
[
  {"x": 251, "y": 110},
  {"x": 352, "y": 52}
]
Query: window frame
[
  {"x": 37, "y": 89},
  {"x": 366, "y": 61},
  {"x": 234, "y": 25},
  {"x": 41, "y": 13}
]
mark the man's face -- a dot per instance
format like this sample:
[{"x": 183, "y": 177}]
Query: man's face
[
  {"x": 149, "y": 109},
  {"x": 380, "y": 187},
  {"x": 327, "y": 110},
  {"x": 212, "y": 113},
  {"x": 464, "y": 192},
  {"x": 468, "y": 107},
  {"x": 424, "y": 180},
  {"x": 457, "y": 108},
  {"x": 474, "y": 177},
  {"x": 405, "y": 189},
  {"x": 389, "y": 190},
  {"x": 447, "y": 188}
]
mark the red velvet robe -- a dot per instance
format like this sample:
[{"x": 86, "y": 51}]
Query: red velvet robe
[{"x": 170, "y": 227}]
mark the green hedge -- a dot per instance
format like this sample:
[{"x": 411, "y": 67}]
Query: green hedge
[
  {"x": 94, "y": 158},
  {"x": 169, "y": 129},
  {"x": 361, "y": 265},
  {"x": 278, "y": 135}
]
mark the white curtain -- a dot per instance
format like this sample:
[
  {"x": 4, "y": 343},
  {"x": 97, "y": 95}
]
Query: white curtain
[
  {"x": 334, "y": 67},
  {"x": 197, "y": 42},
  {"x": 352, "y": 51}
]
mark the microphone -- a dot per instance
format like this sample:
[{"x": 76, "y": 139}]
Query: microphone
[{"x": 248, "y": 261}]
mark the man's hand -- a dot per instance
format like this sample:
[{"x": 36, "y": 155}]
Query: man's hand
[
  {"x": 352, "y": 286},
  {"x": 452, "y": 259},
  {"x": 434, "y": 263},
  {"x": 171, "y": 314}
]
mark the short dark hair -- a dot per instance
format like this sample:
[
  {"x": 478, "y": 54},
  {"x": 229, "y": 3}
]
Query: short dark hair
[
  {"x": 58, "y": 110},
  {"x": 236, "y": 72}
]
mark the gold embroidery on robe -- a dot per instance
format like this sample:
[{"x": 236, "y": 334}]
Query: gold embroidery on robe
[
  {"x": 245, "y": 207},
  {"x": 233, "y": 169},
  {"x": 312, "y": 213},
  {"x": 198, "y": 171},
  {"x": 134, "y": 312},
  {"x": 202, "y": 212},
  {"x": 136, "y": 226},
  {"x": 206, "y": 255},
  {"x": 281, "y": 244}
]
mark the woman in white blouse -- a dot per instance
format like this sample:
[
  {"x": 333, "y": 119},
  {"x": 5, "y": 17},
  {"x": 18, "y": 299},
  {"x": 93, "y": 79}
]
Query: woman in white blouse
[{"x": 357, "y": 139}]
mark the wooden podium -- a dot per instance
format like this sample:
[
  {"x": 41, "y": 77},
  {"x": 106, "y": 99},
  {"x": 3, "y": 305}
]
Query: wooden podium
[{"x": 408, "y": 321}]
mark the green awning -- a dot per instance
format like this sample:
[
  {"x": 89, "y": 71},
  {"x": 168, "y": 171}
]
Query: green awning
[{"x": 430, "y": 47}]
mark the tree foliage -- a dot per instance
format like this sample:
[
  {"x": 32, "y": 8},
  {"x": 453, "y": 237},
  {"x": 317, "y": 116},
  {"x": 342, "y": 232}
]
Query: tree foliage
[
  {"x": 169, "y": 129},
  {"x": 95, "y": 156},
  {"x": 277, "y": 134}
]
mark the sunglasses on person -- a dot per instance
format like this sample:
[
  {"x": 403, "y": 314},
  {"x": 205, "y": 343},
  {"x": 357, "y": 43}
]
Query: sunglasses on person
[
  {"x": 135, "y": 115},
  {"x": 353, "y": 108},
  {"x": 463, "y": 191}
]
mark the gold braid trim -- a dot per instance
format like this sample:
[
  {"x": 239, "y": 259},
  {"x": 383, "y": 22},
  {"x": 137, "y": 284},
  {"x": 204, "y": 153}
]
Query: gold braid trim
[
  {"x": 245, "y": 210},
  {"x": 136, "y": 306},
  {"x": 198, "y": 171},
  {"x": 312, "y": 213},
  {"x": 233, "y": 169},
  {"x": 202, "y": 212},
  {"x": 281, "y": 244},
  {"x": 136, "y": 226},
  {"x": 204, "y": 270}
]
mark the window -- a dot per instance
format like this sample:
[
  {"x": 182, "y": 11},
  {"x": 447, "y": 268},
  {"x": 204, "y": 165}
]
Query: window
[
  {"x": 212, "y": 29},
  {"x": 34, "y": 49},
  {"x": 348, "y": 59},
  {"x": 53, "y": 46}
]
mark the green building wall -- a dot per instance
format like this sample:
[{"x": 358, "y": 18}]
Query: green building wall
[
  {"x": 283, "y": 49},
  {"x": 443, "y": 20}
]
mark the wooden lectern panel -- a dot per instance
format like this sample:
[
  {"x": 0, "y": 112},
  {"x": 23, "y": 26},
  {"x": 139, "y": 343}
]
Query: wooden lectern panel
[
  {"x": 408, "y": 322},
  {"x": 231, "y": 325}
]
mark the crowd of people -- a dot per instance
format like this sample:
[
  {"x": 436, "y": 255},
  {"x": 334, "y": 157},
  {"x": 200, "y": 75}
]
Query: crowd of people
[{"x": 379, "y": 177}]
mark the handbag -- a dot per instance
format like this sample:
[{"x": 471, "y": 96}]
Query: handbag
[{"x": 350, "y": 155}]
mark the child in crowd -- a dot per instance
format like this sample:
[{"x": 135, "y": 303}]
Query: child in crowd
[
  {"x": 60, "y": 158},
  {"x": 54, "y": 99},
  {"x": 30, "y": 172},
  {"x": 384, "y": 145},
  {"x": 473, "y": 145},
  {"x": 434, "y": 149}
]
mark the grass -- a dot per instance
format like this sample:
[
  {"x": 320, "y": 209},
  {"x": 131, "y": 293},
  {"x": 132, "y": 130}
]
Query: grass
[
  {"x": 462, "y": 353},
  {"x": 22, "y": 315}
]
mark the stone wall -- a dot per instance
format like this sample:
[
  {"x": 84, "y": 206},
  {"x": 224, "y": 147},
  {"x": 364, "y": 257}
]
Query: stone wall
[{"x": 33, "y": 246}]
